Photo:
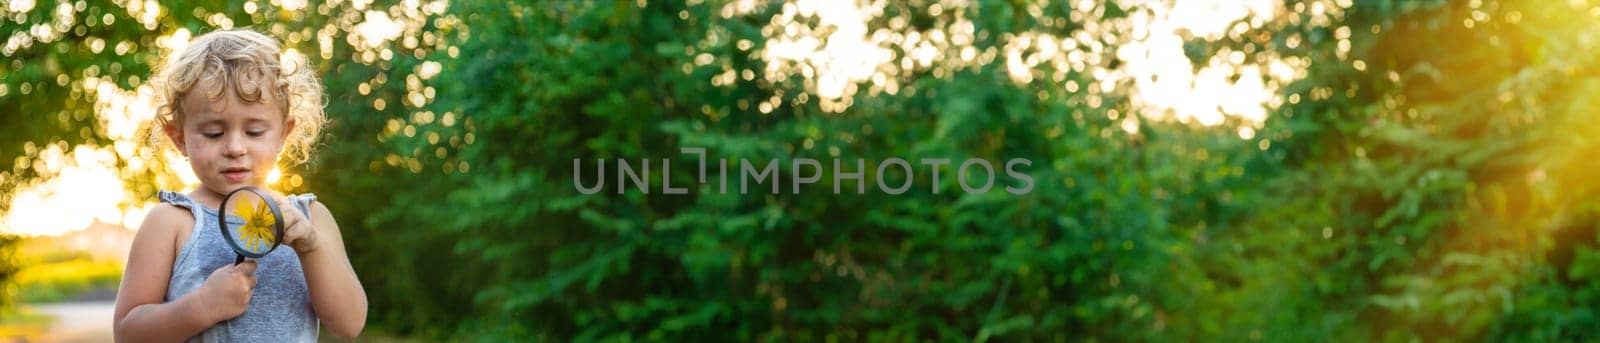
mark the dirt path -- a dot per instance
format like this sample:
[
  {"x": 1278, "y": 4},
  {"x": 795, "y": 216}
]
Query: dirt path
[{"x": 88, "y": 321}]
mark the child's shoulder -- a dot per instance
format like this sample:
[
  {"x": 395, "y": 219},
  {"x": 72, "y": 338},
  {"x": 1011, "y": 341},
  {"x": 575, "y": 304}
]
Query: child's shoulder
[
  {"x": 165, "y": 223},
  {"x": 166, "y": 215},
  {"x": 315, "y": 207},
  {"x": 310, "y": 201}
]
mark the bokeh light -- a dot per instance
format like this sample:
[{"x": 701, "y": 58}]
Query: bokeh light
[{"x": 89, "y": 177}]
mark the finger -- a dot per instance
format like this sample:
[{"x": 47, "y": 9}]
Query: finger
[
  {"x": 279, "y": 197},
  {"x": 248, "y": 268},
  {"x": 295, "y": 221},
  {"x": 288, "y": 207},
  {"x": 291, "y": 219},
  {"x": 249, "y": 282},
  {"x": 301, "y": 228},
  {"x": 292, "y": 230}
]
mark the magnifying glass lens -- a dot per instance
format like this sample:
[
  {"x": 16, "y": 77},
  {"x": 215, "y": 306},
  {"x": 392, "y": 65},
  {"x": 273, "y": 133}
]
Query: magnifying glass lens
[{"x": 251, "y": 222}]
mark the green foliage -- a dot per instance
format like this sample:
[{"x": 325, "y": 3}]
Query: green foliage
[
  {"x": 54, "y": 276},
  {"x": 8, "y": 271},
  {"x": 1429, "y": 176}
]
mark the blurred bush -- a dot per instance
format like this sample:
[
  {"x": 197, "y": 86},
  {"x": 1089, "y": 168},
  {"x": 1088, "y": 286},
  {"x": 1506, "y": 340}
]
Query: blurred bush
[
  {"x": 65, "y": 278},
  {"x": 1430, "y": 175},
  {"x": 8, "y": 271}
]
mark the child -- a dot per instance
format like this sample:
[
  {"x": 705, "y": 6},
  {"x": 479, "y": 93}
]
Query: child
[{"x": 231, "y": 107}]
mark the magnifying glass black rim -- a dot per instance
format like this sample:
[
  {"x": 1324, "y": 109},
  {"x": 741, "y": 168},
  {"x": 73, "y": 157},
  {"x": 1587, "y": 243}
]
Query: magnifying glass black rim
[{"x": 277, "y": 225}]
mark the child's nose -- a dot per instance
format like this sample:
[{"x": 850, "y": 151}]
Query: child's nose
[{"x": 234, "y": 146}]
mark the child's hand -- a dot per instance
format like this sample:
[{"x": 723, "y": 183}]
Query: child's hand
[
  {"x": 298, "y": 233},
  {"x": 227, "y": 291}
]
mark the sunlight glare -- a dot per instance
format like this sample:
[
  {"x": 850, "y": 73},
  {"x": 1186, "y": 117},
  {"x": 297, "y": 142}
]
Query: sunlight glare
[
  {"x": 837, "y": 52},
  {"x": 377, "y": 29},
  {"x": 86, "y": 188}
]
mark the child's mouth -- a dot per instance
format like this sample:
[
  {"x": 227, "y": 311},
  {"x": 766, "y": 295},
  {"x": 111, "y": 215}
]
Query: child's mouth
[{"x": 236, "y": 175}]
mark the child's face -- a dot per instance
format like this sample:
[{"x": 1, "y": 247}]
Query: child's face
[{"x": 230, "y": 143}]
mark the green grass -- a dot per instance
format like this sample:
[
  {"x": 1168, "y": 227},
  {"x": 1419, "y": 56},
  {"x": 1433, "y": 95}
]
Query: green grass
[
  {"x": 21, "y": 324},
  {"x": 52, "y": 273},
  {"x": 368, "y": 335},
  {"x": 63, "y": 280}
]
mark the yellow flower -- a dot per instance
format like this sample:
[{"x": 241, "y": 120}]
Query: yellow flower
[{"x": 258, "y": 222}]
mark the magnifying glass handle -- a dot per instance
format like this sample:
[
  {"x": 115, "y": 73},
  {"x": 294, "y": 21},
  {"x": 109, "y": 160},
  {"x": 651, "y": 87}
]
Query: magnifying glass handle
[{"x": 238, "y": 260}]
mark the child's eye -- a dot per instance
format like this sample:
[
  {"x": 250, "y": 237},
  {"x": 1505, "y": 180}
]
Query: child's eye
[
  {"x": 211, "y": 134},
  {"x": 256, "y": 133}
]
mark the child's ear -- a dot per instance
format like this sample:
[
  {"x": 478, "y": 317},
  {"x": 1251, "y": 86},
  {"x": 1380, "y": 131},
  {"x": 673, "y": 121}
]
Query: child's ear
[
  {"x": 288, "y": 127},
  {"x": 175, "y": 133}
]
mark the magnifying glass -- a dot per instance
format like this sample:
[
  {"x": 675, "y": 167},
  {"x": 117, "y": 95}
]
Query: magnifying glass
[{"x": 251, "y": 223}]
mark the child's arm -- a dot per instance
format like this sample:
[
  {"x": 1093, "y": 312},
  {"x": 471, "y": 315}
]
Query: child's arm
[
  {"x": 141, "y": 313},
  {"x": 336, "y": 293}
]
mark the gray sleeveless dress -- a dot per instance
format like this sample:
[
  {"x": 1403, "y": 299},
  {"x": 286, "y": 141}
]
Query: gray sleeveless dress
[{"x": 280, "y": 307}]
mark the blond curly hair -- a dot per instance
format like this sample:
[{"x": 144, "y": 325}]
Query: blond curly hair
[{"x": 242, "y": 59}]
